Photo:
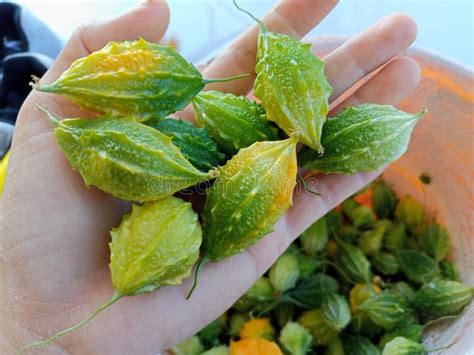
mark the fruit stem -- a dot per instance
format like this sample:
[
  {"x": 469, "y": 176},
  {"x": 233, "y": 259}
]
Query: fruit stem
[
  {"x": 53, "y": 119},
  {"x": 51, "y": 339},
  {"x": 200, "y": 264},
  {"x": 262, "y": 26},
  {"x": 306, "y": 186},
  {"x": 224, "y": 80}
]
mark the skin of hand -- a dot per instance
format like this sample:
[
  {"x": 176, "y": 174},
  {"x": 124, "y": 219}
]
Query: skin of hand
[{"x": 54, "y": 231}]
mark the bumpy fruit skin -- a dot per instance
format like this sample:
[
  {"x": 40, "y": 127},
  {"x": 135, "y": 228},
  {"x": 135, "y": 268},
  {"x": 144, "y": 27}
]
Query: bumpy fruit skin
[
  {"x": 253, "y": 191},
  {"x": 386, "y": 309},
  {"x": 234, "y": 122},
  {"x": 292, "y": 87},
  {"x": 319, "y": 327},
  {"x": 130, "y": 78},
  {"x": 295, "y": 338},
  {"x": 362, "y": 138},
  {"x": 194, "y": 143},
  {"x": 155, "y": 245},
  {"x": 442, "y": 297},
  {"x": 404, "y": 346},
  {"x": 336, "y": 311},
  {"x": 257, "y": 328},
  {"x": 125, "y": 158}
]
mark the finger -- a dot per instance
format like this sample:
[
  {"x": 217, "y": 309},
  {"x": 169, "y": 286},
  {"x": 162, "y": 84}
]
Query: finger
[
  {"x": 292, "y": 17},
  {"x": 395, "y": 81},
  {"x": 374, "y": 47},
  {"x": 148, "y": 20}
]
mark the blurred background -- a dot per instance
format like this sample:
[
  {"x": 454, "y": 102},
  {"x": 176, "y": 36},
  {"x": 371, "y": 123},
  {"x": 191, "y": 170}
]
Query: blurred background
[{"x": 205, "y": 26}]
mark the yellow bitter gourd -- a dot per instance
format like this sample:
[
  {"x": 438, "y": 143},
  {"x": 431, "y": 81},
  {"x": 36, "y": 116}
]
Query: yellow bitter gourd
[
  {"x": 291, "y": 85},
  {"x": 126, "y": 158},
  {"x": 136, "y": 78},
  {"x": 253, "y": 191},
  {"x": 155, "y": 245}
]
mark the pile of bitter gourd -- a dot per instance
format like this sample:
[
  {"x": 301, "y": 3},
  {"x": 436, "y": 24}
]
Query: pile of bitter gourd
[
  {"x": 245, "y": 150},
  {"x": 366, "y": 279}
]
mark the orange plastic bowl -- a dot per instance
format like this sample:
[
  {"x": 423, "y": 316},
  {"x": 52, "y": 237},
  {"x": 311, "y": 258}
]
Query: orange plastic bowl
[{"x": 442, "y": 146}]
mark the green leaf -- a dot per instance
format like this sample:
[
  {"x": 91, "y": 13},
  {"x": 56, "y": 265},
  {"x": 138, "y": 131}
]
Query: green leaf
[
  {"x": 359, "y": 345},
  {"x": 310, "y": 292},
  {"x": 362, "y": 138},
  {"x": 413, "y": 332}
]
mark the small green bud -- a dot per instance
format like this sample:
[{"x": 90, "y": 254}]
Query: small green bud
[
  {"x": 191, "y": 346},
  {"x": 348, "y": 234},
  {"x": 371, "y": 241},
  {"x": 404, "y": 290},
  {"x": 335, "y": 347},
  {"x": 417, "y": 266},
  {"x": 404, "y": 346},
  {"x": 410, "y": 213},
  {"x": 384, "y": 200},
  {"x": 359, "y": 345},
  {"x": 333, "y": 221},
  {"x": 386, "y": 309},
  {"x": 284, "y": 313},
  {"x": 354, "y": 263},
  {"x": 217, "y": 350},
  {"x": 261, "y": 291},
  {"x": 236, "y": 323},
  {"x": 386, "y": 263},
  {"x": 448, "y": 270},
  {"x": 434, "y": 240},
  {"x": 210, "y": 334},
  {"x": 295, "y": 338},
  {"x": 307, "y": 265},
  {"x": 336, "y": 310},
  {"x": 396, "y": 237},
  {"x": 315, "y": 237},
  {"x": 442, "y": 297},
  {"x": 413, "y": 332},
  {"x": 362, "y": 217},
  {"x": 284, "y": 273},
  {"x": 321, "y": 331}
]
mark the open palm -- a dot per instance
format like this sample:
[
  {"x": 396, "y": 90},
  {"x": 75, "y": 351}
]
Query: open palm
[{"x": 54, "y": 231}]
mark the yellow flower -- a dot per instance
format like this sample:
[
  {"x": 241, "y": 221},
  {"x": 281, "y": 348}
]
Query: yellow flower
[
  {"x": 254, "y": 347},
  {"x": 257, "y": 328}
]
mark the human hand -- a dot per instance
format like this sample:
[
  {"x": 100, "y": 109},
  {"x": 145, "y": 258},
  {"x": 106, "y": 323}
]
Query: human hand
[{"x": 54, "y": 231}]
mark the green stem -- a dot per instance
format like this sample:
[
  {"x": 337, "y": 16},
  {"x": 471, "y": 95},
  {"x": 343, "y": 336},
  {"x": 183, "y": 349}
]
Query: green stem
[
  {"x": 51, "y": 339},
  {"x": 224, "y": 80},
  {"x": 54, "y": 120},
  {"x": 262, "y": 26},
  {"x": 305, "y": 185},
  {"x": 200, "y": 264}
]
